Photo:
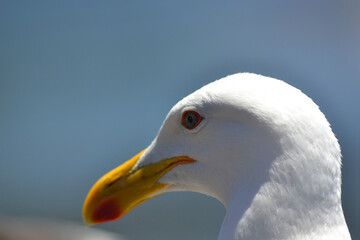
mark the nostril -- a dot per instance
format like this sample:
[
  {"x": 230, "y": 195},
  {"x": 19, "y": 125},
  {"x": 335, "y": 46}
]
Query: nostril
[{"x": 113, "y": 181}]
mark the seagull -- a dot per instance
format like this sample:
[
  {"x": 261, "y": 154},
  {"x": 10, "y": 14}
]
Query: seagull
[{"x": 255, "y": 143}]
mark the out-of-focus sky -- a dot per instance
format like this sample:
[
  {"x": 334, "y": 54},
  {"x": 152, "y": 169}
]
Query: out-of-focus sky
[{"x": 85, "y": 85}]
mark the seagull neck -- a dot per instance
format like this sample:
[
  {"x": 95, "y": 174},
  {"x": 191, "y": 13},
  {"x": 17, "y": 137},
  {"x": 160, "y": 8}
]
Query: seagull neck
[{"x": 291, "y": 206}]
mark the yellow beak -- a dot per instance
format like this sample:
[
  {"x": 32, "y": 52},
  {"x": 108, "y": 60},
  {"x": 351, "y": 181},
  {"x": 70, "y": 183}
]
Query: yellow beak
[{"x": 122, "y": 189}]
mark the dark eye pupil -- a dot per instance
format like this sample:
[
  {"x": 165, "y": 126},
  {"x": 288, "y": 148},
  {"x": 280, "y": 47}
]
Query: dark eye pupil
[{"x": 191, "y": 120}]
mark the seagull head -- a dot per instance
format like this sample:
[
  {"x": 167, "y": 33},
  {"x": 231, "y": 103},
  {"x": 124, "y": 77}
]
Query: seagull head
[{"x": 245, "y": 138}]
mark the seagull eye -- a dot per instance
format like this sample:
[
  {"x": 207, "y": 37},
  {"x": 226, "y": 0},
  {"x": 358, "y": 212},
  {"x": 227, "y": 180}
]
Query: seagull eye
[{"x": 191, "y": 119}]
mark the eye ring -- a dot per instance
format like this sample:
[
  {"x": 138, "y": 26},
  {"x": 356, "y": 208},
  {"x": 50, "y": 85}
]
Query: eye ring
[{"x": 191, "y": 119}]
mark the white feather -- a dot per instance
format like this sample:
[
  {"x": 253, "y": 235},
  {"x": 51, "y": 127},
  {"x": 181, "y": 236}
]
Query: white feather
[{"x": 265, "y": 150}]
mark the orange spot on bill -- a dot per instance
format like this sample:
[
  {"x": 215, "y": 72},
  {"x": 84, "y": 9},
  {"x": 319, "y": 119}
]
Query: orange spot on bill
[{"x": 108, "y": 210}]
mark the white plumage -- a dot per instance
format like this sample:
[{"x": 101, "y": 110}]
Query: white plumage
[{"x": 263, "y": 149}]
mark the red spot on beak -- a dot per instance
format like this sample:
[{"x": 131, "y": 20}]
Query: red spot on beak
[{"x": 108, "y": 210}]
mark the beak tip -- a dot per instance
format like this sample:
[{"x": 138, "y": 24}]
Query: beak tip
[
  {"x": 87, "y": 220},
  {"x": 87, "y": 223}
]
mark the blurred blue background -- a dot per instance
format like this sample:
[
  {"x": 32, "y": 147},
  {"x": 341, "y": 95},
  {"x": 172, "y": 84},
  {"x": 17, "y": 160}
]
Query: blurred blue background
[{"x": 85, "y": 85}]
